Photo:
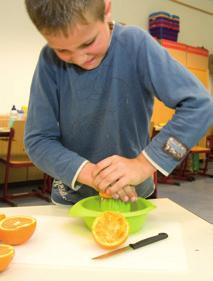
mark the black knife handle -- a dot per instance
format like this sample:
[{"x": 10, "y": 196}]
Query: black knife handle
[{"x": 148, "y": 241}]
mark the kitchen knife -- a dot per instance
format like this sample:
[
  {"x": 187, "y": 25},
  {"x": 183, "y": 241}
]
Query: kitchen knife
[{"x": 134, "y": 246}]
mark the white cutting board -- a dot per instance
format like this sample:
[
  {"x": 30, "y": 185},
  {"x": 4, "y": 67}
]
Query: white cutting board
[{"x": 66, "y": 242}]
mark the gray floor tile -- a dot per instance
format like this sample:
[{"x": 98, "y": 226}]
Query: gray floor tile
[{"x": 195, "y": 196}]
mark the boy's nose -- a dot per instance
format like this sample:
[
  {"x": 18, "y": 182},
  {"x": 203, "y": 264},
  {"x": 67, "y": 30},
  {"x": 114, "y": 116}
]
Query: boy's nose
[
  {"x": 77, "y": 58},
  {"x": 67, "y": 57}
]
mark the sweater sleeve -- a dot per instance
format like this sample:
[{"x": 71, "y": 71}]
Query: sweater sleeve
[
  {"x": 42, "y": 131},
  {"x": 177, "y": 88}
]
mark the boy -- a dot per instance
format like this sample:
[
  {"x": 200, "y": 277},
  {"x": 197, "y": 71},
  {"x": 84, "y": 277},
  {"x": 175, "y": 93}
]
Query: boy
[{"x": 91, "y": 103}]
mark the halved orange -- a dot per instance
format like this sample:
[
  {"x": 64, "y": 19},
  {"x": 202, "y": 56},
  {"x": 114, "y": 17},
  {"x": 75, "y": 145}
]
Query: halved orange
[
  {"x": 2, "y": 216},
  {"x": 6, "y": 255},
  {"x": 104, "y": 195},
  {"x": 15, "y": 230},
  {"x": 110, "y": 229}
]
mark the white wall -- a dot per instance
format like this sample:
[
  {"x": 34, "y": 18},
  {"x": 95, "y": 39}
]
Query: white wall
[
  {"x": 21, "y": 43},
  {"x": 20, "y": 46},
  {"x": 196, "y": 27}
]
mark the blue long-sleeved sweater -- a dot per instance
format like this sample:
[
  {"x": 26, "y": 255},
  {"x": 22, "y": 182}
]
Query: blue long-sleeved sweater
[{"x": 76, "y": 115}]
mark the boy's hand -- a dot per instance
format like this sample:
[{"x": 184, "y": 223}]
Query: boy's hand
[
  {"x": 113, "y": 173},
  {"x": 86, "y": 175}
]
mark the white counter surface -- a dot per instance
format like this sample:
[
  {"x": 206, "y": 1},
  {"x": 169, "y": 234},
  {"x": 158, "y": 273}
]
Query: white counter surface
[{"x": 62, "y": 247}]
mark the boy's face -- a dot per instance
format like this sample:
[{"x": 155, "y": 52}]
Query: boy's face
[{"x": 85, "y": 45}]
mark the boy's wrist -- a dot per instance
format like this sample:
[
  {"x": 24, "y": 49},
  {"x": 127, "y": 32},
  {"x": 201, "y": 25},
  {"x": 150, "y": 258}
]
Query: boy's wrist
[
  {"x": 85, "y": 175},
  {"x": 148, "y": 168}
]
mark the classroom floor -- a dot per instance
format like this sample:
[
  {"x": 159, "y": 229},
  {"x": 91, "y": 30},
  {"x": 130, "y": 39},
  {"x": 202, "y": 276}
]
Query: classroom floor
[{"x": 196, "y": 196}]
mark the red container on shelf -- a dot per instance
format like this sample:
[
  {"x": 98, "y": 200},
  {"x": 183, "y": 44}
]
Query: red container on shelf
[{"x": 163, "y": 25}]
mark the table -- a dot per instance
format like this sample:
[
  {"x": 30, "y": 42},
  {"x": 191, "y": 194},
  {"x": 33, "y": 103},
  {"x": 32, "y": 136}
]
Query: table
[
  {"x": 4, "y": 132},
  {"x": 187, "y": 253}
]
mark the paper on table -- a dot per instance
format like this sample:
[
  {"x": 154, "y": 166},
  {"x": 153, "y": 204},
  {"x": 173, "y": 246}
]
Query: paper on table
[{"x": 65, "y": 242}]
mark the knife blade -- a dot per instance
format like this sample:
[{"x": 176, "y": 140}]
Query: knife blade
[{"x": 134, "y": 246}]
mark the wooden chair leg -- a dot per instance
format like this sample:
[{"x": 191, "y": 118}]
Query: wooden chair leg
[
  {"x": 6, "y": 196},
  {"x": 6, "y": 178},
  {"x": 205, "y": 168},
  {"x": 47, "y": 186}
]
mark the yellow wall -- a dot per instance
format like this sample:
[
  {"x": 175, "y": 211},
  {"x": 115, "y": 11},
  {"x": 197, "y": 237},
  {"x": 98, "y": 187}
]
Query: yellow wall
[{"x": 197, "y": 64}]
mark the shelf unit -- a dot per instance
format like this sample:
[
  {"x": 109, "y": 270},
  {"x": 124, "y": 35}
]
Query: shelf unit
[{"x": 195, "y": 59}]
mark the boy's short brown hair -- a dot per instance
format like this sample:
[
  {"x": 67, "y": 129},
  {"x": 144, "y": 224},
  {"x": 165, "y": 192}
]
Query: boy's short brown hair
[{"x": 53, "y": 16}]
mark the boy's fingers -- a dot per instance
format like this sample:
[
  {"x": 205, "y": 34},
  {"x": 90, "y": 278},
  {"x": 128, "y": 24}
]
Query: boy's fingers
[
  {"x": 101, "y": 166},
  {"x": 106, "y": 177},
  {"x": 115, "y": 196},
  {"x": 108, "y": 181},
  {"x": 130, "y": 192},
  {"x": 123, "y": 196},
  {"x": 126, "y": 194},
  {"x": 117, "y": 186}
]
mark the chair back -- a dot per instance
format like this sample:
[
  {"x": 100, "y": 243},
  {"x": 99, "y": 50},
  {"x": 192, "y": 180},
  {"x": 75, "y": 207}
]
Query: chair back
[
  {"x": 9, "y": 140},
  {"x": 13, "y": 145},
  {"x": 13, "y": 155},
  {"x": 18, "y": 147}
]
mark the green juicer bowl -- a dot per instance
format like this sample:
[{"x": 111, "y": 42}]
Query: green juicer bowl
[{"x": 91, "y": 207}]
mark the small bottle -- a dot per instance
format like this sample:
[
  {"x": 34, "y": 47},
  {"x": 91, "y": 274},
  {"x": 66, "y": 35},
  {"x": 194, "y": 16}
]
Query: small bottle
[
  {"x": 13, "y": 116},
  {"x": 20, "y": 114}
]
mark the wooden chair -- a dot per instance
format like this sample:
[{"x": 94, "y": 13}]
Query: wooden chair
[
  {"x": 16, "y": 160},
  {"x": 48, "y": 180},
  {"x": 209, "y": 144},
  {"x": 184, "y": 173}
]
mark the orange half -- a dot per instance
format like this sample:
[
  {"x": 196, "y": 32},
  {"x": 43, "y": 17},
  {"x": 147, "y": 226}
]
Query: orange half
[
  {"x": 110, "y": 229},
  {"x": 15, "y": 230},
  {"x": 6, "y": 255},
  {"x": 104, "y": 195},
  {"x": 2, "y": 216}
]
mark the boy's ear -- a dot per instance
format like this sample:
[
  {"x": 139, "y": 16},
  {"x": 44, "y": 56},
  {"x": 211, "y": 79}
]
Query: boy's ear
[{"x": 108, "y": 14}]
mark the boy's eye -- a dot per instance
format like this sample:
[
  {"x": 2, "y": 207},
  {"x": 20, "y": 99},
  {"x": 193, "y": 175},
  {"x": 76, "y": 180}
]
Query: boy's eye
[
  {"x": 62, "y": 51},
  {"x": 88, "y": 44},
  {"x": 85, "y": 45}
]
